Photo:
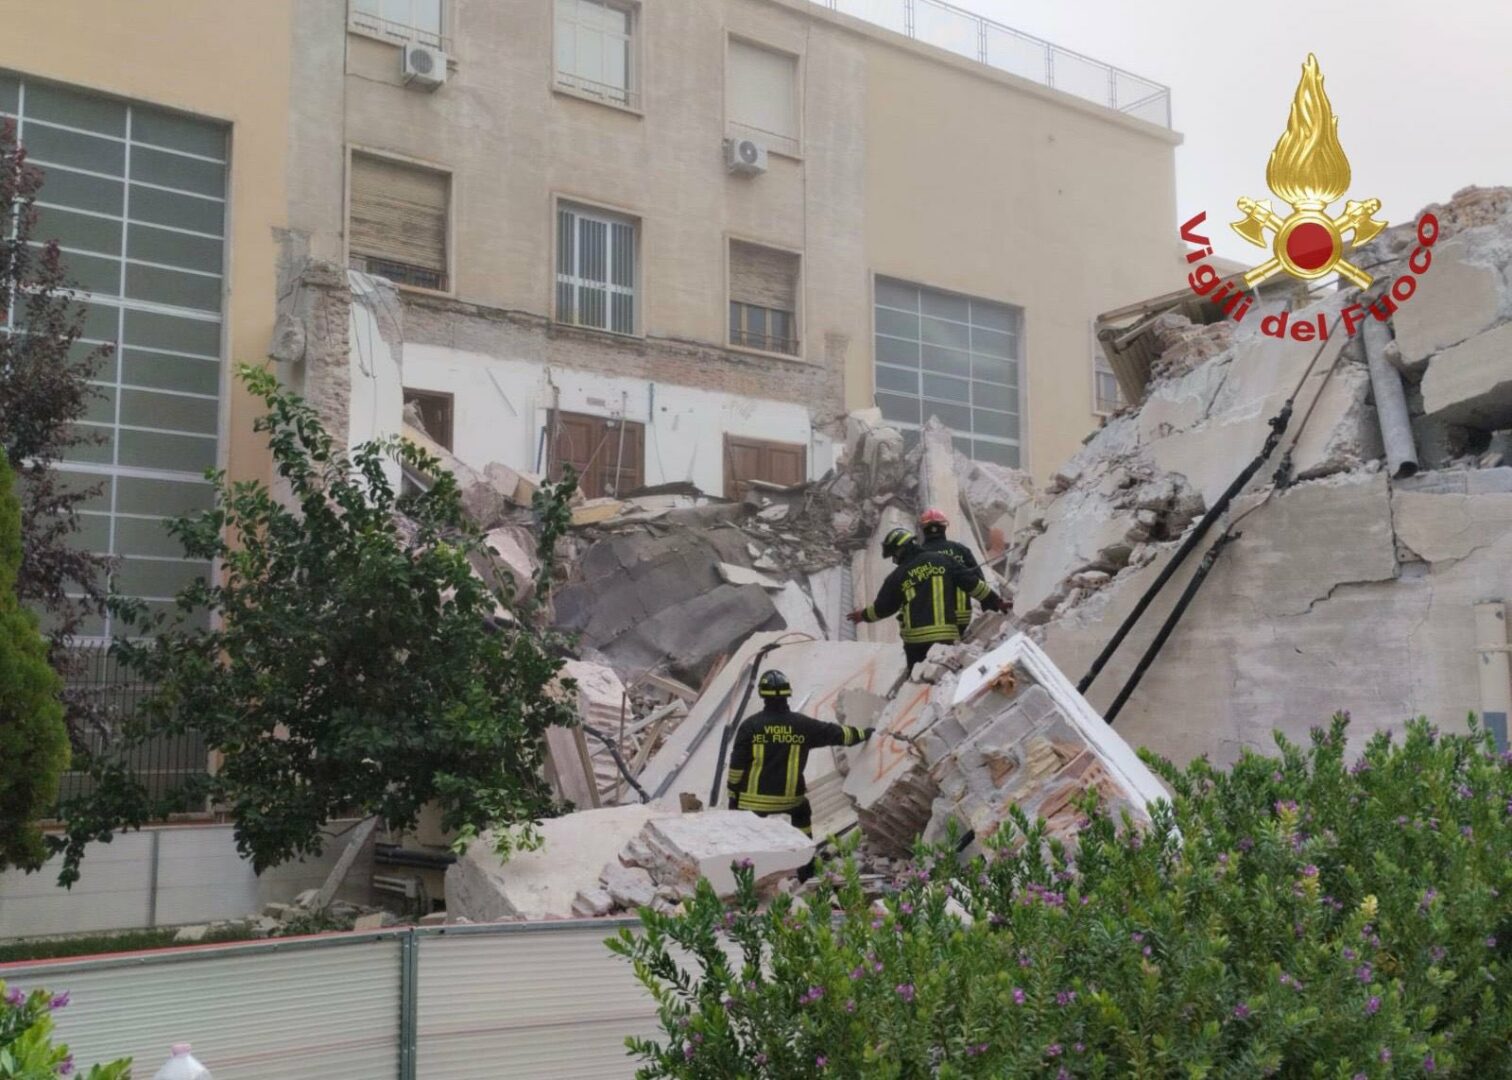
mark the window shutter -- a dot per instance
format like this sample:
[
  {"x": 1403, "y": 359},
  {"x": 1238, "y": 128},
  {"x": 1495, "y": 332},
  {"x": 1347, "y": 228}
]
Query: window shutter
[
  {"x": 762, "y": 89},
  {"x": 763, "y": 277},
  {"x": 399, "y": 213}
]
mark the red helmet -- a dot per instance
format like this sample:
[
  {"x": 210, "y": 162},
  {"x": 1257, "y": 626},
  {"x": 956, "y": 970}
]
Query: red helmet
[{"x": 933, "y": 517}]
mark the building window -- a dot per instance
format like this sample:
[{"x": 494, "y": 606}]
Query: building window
[
  {"x": 763, "y": 298},
  {"x": 595, "y": 50},
  {"x": 951, "y": 356},
  {"x": 434, "y": 411},
  {"x": 400, "y": 20},
  {"x": 595, "y": 270},
  {"x": 399, "y": 221},
  {"x": 136, "y": 199},
  {"x": 1107, "y": 395},
  {"x": 607, "y": 453},
  {"x": 761, "y": 93},
  {"x": 747, "y": 460}
]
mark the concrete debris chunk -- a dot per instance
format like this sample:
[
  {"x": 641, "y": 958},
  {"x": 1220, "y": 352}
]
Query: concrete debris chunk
[
  {"x": 1471, "y": 383},
  {"x": 629, "y": 887},
  {"x": 544, "y": 883},
  {"x": 680, "y": 850}
]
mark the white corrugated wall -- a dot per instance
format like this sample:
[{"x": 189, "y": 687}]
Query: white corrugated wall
[
  {"x": 265, "y": 1013},
  {"x": 542, "y": 1002}
]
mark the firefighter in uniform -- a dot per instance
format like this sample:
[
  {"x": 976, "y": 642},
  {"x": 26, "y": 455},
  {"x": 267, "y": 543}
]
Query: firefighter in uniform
[
  {"x": 924, "y": 588},
  {"x": 932, "y": 526},
  {"x": 772, "y": 747}
]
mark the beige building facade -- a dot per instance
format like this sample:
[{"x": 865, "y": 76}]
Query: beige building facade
[
  {"x": 589, "y": 271},
  {"x": 161, "y": 133}
]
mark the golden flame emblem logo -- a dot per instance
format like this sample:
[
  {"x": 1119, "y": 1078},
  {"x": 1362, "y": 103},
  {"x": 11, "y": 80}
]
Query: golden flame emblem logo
[{"x": 1308, "y": 169}]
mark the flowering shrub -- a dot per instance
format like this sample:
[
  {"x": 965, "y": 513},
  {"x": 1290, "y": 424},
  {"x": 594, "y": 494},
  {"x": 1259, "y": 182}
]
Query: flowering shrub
[
  {"x": 1294, "y": 916},
  {"x": 26, "y": 1047}
]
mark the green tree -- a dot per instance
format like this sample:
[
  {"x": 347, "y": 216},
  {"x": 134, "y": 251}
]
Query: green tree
[
  {"x": 33, "y": 740},
  {"x": 356, "y": 664}
]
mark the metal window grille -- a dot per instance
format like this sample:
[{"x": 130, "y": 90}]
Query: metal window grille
[
  {"x": 420, "y": 21},
  {"x": 757, "y": 327},
  {"x": 110, "y": 694},
  {"x": 595, "y": 52},
  {"x": 595, "y": 270}
]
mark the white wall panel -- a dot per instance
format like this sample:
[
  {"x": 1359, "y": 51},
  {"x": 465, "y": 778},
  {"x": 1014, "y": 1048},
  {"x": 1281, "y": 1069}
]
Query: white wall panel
[
  {"x": 264, "y": 1013},
  {"x": 547, "y": 1003}
]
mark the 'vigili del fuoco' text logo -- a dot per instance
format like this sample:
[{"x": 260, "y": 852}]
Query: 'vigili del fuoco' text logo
[{"x": 1308, "y": 170}]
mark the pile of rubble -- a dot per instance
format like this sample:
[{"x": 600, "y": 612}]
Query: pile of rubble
[{"x": 1347, "y": 582}]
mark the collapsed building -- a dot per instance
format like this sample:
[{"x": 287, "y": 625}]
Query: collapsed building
[{"x": 1328, "y": 523}]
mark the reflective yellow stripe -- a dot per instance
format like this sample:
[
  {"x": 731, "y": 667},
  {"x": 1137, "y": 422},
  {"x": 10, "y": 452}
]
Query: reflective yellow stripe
[
  {"x": 767, "y": 804},
  {"x": 948, "y": 632},
  {"x": 871, "y": 613},
  {"x": 963, "y": 606},
  {"x": 758, "y": 760},
  {"x": 795, "y": 757},
  {"x": 908, "y": 599},
  {"x": 736, "y": 776},
  {"x": 981, "y": 590},
  {"x": 852, "y": 735},
  {"x": 937, "y": 600}
]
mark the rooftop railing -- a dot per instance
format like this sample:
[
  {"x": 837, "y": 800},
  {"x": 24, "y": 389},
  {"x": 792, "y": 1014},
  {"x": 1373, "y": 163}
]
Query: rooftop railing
[{"x": 965, "y": 33}]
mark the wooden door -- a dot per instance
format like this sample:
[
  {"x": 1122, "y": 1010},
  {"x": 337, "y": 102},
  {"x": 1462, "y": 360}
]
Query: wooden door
[
  {"x": 784, "y": 464},
  {"x": 608, "y": 454}
]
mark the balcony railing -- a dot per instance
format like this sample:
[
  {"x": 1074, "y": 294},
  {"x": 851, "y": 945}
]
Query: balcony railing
[{"x": 965, "y": 33}]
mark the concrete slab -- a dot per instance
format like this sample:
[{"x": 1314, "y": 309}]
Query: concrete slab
[
  {"x": 678, "y": 850},
  {"x": 1455, "y": 300},
  {"x": 797, "y": 611},
  {"x": 544, "y": 883},
  {"x": 1471, "y": 383}
]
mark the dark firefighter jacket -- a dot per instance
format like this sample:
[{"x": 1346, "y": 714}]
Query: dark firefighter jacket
[
  {"x": 771, "y": 749},
  {"x": 925, "y": 589},
  {"x": 962, "y": 555}
]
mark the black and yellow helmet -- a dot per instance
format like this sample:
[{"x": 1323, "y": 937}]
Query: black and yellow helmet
[
  {"x": 895, "y": 541},
  {"x": 774, "y": 684}
]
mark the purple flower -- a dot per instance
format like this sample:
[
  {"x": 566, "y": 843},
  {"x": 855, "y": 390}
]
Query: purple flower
[
  {"x": 1491, "y": 941},
  {"x": 1019, "y": 997},
  {"x": 905, "y": 991},
  {"x": 906, "y": 908},
  {"x": 1137, "y": 937},
  {"x": 66, "y": 1066},
  {"x": 1429, "y": 1065},
  {"x": 1245, "y": 843},
  {"x": 1466, "y": 791},
  {"x": 976, "y": 1050},
  {"x": 1402, "y": 819},
  {"x": 761, "y": 1059},
  {"x": 850, "y": 1005},
  {"x": 744, "y": 864},
  {"x": 821, "y": 1061},
  {"x": 687, "y": 1051},
  {"x": 14, "y": 996},
  {"x": 1359, "y": 766},
  {"x": 1146, "y": 950},
  {"x": 858, "y": 972},
  {"x": 1349, "y": 954},
  {"x": 1053, "y": 1050},
  {"x": 1438, "y": 952},
  {"x": 811, "y": 995},
  {"x": 1223, "y": 858},
  {"x": 1385, "y": 1054},
  {"x": 1241, "y": 1011},
  {"x": 877, "y": 923},
  {"x": 1361, "y": 1076},
  {"x": 1065, "y": 997},
  {"x": 1373, "y": 1006},
  {"x": 1286, "y": 804},
  {"x": 60, "y": 1001},
  {"x": 1276, "y": 777},
  {"x": 1023, "y": 959},
  {"x": 1365, "y": 973},
  {"x": 877, "y": 966},
  {"x": 1079, "y": 1047},
  {"x": 1309, "y": 870}
]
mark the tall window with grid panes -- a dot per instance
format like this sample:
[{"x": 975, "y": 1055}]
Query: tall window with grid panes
[
  {"x": 954, "y": 357},
  {"x": 135, "y": 196}
]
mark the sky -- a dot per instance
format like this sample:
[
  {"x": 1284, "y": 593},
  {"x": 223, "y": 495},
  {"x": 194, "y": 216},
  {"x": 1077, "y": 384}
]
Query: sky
[{"x": 1423, "y": 91}]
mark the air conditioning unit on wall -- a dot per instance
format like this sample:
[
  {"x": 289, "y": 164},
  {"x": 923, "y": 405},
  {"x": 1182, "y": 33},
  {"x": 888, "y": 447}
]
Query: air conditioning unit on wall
[
  {"x": 745, "y": 157},
  {"x": 424, "y": 66}
]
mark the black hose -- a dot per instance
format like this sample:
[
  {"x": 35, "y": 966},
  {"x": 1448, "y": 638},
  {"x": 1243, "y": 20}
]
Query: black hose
[
  {"x": 729, "y": 731},
  {"x": 1278, "y": 425},
  {"x": 1170, "y": 623},
  {"x": 619, "y": 761}
]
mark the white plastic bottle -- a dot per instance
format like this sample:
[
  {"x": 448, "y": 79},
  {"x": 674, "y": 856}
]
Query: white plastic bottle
[{"x": 182, "y": 1065}]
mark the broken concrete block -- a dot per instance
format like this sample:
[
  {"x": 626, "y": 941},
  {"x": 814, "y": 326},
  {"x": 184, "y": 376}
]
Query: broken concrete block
[
  {"x": 506, "y": 481},
  {"x": 592, "y": 902},
  {"x": 514, "y": 548},
  {"x": 741, "y": 575},
  {"x": 797, "y": 611},
  {"x": 190, "y": 934},
  {"x": 1455, "y": 300},
  {"x": 375, "y": 920},
  {"x": 677, "y": 851},
  {"x": 630, "y": 887},
  {"x": 1471, "y": 383},
  {"x": 542, "y": 883}
]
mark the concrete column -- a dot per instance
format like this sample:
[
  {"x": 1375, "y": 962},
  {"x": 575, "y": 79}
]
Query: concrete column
[
  {"x": 1493, "y": 667},
  {"x": 1390, "y": 401}
]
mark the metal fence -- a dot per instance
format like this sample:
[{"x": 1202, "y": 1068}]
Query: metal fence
[
  {"x": 946, "y": 26},
  {"x": 443, "y": 1003},
  {"x": 107, "y": 694}
]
